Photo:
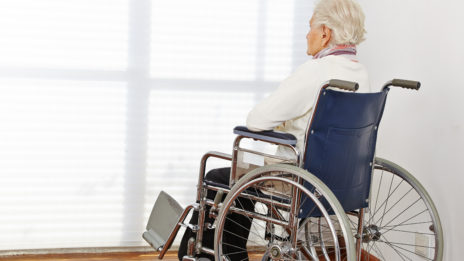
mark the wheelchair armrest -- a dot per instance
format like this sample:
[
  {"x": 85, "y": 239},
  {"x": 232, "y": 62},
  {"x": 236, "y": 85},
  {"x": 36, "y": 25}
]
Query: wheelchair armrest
[
  {"x": 216, "y": 154},
  {"x": 270, "y": 136}
]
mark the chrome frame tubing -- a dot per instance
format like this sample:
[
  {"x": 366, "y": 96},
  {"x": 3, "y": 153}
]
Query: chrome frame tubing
[
  {"x": 237, "y": 148},
  {"x": 201, "y": 198}
]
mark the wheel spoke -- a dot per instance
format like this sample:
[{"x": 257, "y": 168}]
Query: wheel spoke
[
  {"x": 399, "y": 248},
  {"x": 404, "y": 244},
  {"x": 238, "y": 224},
  {"x": 418, "y": 214},
  {"x": 386, "y": 201},
  {"x": 411, "y": 232},
  {"x": 378, "y": 190},
  {"x": 409, "y": 224},
  {"x": 377, "y": 251}
]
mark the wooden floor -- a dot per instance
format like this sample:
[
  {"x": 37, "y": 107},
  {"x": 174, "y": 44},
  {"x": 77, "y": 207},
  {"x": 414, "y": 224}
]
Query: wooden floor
[
  {"x": 134, "y": 256},
  {"x": 138, "y": 256}
]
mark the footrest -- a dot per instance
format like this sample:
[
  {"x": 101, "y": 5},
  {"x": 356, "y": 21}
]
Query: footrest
[{"x": 162, "y": 221}]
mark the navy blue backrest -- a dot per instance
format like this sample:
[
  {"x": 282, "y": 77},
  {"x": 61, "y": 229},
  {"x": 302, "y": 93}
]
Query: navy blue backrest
[{"x": 340, "y": 143}]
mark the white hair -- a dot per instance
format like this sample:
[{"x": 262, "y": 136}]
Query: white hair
[{"x": 344, "y": 17}]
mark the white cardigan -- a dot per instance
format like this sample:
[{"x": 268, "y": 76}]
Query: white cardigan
[{"x": 289, "y": 107}]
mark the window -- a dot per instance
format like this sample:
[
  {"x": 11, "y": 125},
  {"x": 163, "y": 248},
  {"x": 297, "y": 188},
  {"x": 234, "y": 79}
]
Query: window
[{"x": 104, "y": 103}]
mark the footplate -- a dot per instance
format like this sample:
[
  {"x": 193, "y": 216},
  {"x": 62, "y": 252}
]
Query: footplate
[{"x": 163, "y": 220}]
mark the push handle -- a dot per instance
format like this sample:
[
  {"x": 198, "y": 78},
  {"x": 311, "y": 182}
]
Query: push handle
[
  {"x": 344, "y": 85},
  {"x": 415, "y": 85}
]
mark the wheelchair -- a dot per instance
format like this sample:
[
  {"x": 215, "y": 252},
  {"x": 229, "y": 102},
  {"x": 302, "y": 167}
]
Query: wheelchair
[{"x": 336, "y": 201}]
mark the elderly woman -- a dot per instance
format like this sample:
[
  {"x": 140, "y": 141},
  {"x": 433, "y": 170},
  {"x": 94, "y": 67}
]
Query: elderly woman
[{"x": 336, "y": 27}]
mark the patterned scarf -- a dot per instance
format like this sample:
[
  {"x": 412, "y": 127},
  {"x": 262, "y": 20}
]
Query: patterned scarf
[{"x": 348, "y": 51}]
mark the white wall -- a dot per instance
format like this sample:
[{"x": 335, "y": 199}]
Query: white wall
[{"x": 423, "y": 131}]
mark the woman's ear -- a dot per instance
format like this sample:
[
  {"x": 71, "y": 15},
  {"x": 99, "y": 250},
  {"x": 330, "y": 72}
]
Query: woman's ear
[{"x": 326, "y": 36}]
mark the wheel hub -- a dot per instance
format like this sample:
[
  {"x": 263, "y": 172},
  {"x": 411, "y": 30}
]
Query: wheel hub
[
  {"x": 275, "y": 252},
  {"x": 371, "y": 233},
  {"x": 279, "y": 251}
]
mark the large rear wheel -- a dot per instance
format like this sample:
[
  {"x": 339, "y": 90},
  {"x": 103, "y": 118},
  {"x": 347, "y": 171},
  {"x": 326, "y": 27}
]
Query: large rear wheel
[{"x": 401, "y": 222}]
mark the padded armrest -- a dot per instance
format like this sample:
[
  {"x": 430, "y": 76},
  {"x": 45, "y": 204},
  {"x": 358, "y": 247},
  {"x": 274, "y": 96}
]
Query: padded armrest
[{"x": 271, "y": 136}]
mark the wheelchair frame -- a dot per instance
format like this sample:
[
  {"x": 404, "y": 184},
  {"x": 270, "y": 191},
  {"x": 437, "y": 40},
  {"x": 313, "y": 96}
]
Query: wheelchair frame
[{"x": 357, "y": 242}]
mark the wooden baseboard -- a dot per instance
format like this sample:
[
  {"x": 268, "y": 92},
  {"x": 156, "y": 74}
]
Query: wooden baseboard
[{"x": 72, "y": 251}]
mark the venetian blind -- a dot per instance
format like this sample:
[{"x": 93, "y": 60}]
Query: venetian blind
[{"x": 104, "y": 103}]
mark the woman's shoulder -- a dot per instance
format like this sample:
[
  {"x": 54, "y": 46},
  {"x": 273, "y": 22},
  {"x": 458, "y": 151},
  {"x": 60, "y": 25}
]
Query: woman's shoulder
[
  {"x": 350, "y": 64},
  {"x": 309, "y": 67}
]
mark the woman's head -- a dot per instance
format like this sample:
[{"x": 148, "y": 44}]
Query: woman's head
[{"x": 335, "y": 22}]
